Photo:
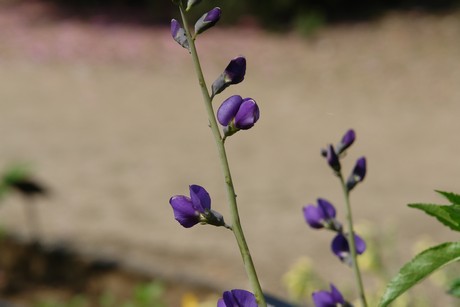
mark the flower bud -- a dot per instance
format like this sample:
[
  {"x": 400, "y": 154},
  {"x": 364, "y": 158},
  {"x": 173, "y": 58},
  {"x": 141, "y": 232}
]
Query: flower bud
[
  {"x": 178, "y": 33},
  {"x": 192, "y": 3},
  {"x": 333, "y": 159},
  {"x": 236, "y": 113},
  {"x": 358, "y": 173},
  {"x": 208, "y": 20},
  {"x": 341, "y": 248},
  {"x": 233, "y": 74},
  {"x": 347, "y": 140}
]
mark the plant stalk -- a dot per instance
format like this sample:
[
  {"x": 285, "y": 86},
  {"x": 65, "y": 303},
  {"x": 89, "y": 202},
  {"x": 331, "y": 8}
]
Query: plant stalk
[
  {"x": 352, "y": 243},
  {"x": 231, "y": 195}
]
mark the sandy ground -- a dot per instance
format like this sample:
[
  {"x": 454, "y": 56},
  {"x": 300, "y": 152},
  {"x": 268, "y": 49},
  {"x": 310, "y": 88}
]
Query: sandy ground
[{"x": 112, "y": 120}]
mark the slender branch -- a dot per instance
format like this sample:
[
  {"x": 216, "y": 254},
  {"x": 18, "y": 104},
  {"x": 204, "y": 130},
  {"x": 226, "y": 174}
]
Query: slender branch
[
  {"x": 231, "y": 195},
  {"x": 352, "y": 243}
]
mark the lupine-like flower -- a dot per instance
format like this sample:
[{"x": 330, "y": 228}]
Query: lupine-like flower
[
  {"x": 347, "y": 140},
  {"x": 329, "y": 299},
  {"x": 321, "y": 216},
  {"x": 237, "y": 298},
  {"x": 341, "y": 248},
  {"x": 208, "y": 20},
  {"x": 236, "y": 113},
  {"x": 358, "y": 173},
  {"x": 233, "y": 74},
  {"x": 332, "y": 159},
  {"x": 178, "y": 33},
  {"x": 195, "y": 209},
  {"x": 191, "y": 3}
]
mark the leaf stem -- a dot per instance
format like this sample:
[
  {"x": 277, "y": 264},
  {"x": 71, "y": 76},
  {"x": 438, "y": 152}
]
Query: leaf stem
[
  {"x": 231, "y": 195},
  {"x": 352, "y": 243}
]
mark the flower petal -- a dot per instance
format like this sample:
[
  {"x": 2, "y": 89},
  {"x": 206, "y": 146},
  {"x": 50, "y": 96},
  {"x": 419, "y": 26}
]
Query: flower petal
[
  {"x": 327, "y": 208},
  {"x": 247, "y": 115},
  {"x": 239, "y": 298},
  {"x": 228, "y": 109},
  {"x": 323, "y": 299},
  {"x": 184, "y": 212},
  {"x": 200, "y": 198},
  {"x": 336, "y": 295},
  {"x": 314, "y": 216}
]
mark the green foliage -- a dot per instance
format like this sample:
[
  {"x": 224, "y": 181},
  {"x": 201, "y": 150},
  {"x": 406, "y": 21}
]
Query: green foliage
[
  {"x": 452, "y": 197},
  {"x": 448, "y": 215},
  {"x": 419, "y": 268},
  {"x": 432, "y": 258}
]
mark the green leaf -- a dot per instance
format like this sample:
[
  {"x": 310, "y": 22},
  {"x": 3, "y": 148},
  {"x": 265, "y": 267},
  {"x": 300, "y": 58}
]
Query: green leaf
[
  {"x": 452, "y": 197},
  {"x": 419, "y": 268},
  {"x": 454, "y": 289},
  {"x": 448, "y": 215}
]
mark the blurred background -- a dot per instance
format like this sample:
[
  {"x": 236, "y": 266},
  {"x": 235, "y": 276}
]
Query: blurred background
[{"x": 103, "y": 107}]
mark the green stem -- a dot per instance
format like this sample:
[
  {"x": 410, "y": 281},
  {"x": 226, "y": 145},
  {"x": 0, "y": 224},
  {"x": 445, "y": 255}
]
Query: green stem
[
  {"x": 231, "y": 195},
  {"x": 351, "y": 240}
]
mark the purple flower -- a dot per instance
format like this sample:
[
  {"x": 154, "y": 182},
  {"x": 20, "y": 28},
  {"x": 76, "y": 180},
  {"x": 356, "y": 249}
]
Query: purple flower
[
  {"x": 208, "y": 20},
  {"x": 195, "y": 209},
  {"x": 237, "y": 298},
  {"x": 321, "y": 216},
  {"x": 358, "y": 173},
  {"x": 236, "y": 113},
  {"x": 333, "y": 159},
  {"x": 347, "y": 140},
  {"x": 341, "y": 248},
  {"x": 233, "y": 74},
  {"x": 329, "y": 299},
  {"x": 178, "y": 33}
]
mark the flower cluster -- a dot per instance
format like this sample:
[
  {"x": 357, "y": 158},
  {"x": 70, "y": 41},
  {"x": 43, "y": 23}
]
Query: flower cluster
[{"x": 324, "y": 216}]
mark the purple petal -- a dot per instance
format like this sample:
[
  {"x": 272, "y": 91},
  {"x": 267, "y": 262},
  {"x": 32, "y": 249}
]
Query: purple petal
[
  {"x": 213, "y": 15},
  {"x": 314, "y": 216},
  {"x": 327, "y": 208},
  {"x": 340, "y": 246},
  {"x": 239, "y": 298},
  {"x": 360, "y": 245},
  {"x": 175, "y": 26},
  {"x": 347, "y": 141},
  {"x": 323, "y": 299},
  {"x": 228, "y": 109},
  {"x": 336, "y": 295},
  {"x": 247, "y": 115},
  {"x": 235, "y": 70},
  {"x": 184, "y": 212},
  {"x": 200, "y": 198},
  {"x": 221, "y": 303},
  {"x": 360, "y": 169}
]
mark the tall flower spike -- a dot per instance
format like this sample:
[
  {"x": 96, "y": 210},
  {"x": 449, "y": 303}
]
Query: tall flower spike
[
  {"x": 178, "y": 33},
  {"x": 341, "y": 248},
  {"x": 233, "y": 74},
  {"x": 208, "y": 20},
  {"x": 358, "y": 173},
  {"x": 322, "y": 216},
  {"x": 236, "y": 113},
  {"x": 237, "y": 298},
  {"x": 347, "y": 140},
  {"x": 329, "y": 299},
  {"x": 195, "y": 209}
]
